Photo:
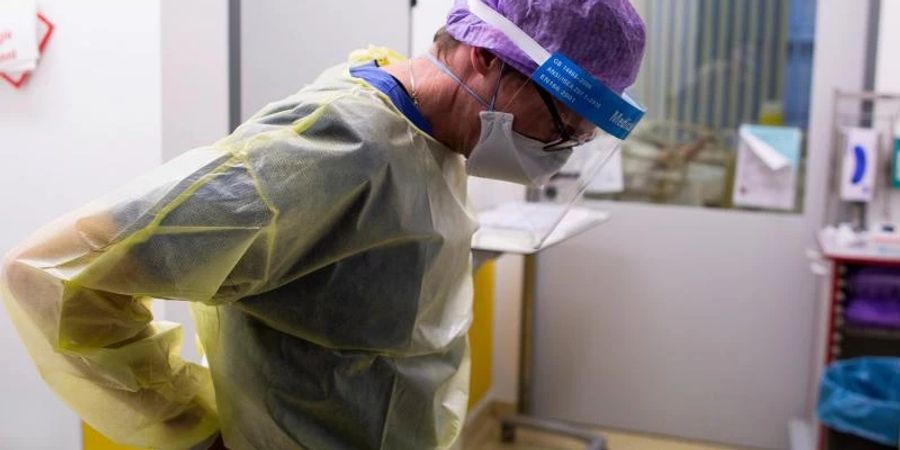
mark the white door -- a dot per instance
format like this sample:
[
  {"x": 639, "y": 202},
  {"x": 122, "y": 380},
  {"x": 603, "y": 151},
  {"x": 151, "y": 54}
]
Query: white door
[{"x": 691, "y": 322}]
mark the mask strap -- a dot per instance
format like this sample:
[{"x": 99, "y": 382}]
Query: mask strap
[
  {"x": 497, "y": 91},
  {"x": 446, "y": 70}
]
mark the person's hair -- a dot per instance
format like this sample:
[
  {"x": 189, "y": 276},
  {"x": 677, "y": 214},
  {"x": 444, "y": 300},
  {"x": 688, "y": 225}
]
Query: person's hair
[{"x": 444, "y": 43}]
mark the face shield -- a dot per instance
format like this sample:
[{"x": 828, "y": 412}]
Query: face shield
[{"x": 610, "y": 118}]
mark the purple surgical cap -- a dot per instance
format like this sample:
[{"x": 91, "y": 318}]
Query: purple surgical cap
[{"x": 605, "y": 37}]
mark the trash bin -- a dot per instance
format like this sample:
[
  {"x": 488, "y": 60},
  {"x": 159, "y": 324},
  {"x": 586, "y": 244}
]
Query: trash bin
[{"x": 861, "y": 397}]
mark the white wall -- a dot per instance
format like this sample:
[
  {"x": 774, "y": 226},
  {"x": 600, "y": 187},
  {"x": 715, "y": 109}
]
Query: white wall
[
  {"x": 194, "y": 74},
  {"x": 887, "y": 80},
  {"x": 286, "y": 44},
  {"x": 427, "y": 17},
  {"x": 194, "y": 100},
  {"x": 887, "y": 75},
  {"x": 88, "y": 121}
]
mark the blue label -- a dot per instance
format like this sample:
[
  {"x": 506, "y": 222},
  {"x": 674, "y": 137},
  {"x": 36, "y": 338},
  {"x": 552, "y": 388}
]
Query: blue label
[{"x": 587, "y": 96}]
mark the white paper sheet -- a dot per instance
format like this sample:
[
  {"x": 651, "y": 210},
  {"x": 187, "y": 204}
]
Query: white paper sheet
[
  {"x": 18, "y": 35},
  {"x": 504, "y": 230},
  {"x": 767, "y": 163}
]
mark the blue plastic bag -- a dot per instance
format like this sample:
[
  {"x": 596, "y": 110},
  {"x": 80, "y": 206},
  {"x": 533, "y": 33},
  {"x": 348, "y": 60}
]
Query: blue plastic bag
[{"x": 862, "y": 397}]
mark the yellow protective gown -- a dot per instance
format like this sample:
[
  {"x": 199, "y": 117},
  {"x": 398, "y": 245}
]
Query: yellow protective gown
[{"x": 326, "y": 247}]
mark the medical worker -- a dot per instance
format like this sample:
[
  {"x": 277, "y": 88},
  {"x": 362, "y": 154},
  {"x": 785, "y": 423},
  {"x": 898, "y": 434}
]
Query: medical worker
[{"x": 325, "y": 246}]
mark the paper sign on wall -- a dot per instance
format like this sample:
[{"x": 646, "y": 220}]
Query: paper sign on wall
[
  {"x": 18, "y": 36},
  {"x": 767, "y": 163},
  {"x": 24, "y": 34}
]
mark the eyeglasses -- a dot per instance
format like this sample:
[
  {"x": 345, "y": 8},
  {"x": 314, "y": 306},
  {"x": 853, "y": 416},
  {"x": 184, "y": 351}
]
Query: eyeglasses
[{"x": 566, "y": 139}]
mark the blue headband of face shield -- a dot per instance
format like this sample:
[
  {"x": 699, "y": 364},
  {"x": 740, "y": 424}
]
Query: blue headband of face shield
[{"x": 567, "y": 81}]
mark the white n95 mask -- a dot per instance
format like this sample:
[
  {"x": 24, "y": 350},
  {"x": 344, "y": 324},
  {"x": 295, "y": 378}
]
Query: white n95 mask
[{"x": 502, "y": 154}]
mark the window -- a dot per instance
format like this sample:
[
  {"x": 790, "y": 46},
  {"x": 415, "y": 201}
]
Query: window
[{"x": 711, "y": 66}]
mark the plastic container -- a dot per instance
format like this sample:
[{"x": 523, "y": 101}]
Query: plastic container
[
  {"x": 861, "y": 397},
  {"x": 876, "y": 283},
  {"x": 874, "y": 298}
]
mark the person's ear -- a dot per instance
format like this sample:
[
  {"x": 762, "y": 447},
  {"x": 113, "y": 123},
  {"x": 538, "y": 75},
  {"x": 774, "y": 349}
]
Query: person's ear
[{"x": 483, "y": 61}]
